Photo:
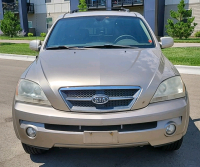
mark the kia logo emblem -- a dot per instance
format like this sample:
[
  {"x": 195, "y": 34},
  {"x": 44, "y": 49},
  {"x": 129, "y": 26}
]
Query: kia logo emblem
[{"x": 100, "y": 99}]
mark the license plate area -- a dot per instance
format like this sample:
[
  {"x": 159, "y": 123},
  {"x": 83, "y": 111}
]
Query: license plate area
[{"x": 107, "y": 137}]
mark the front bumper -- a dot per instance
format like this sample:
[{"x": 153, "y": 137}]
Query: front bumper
[{"x": 176, "y": 111}]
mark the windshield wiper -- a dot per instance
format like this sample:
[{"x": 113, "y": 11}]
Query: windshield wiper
[
  {"x": 94, "y": 46},
  {"x": 111, "y": 46},
  {"x": 61, "y": 47}
]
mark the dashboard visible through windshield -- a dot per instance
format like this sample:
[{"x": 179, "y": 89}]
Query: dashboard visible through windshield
[{"x": 100, "y": 31}]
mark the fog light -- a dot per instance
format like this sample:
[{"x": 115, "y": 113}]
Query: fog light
[
  {"x": 170, "y": 129},
  {"x": 31, "y": 132}
]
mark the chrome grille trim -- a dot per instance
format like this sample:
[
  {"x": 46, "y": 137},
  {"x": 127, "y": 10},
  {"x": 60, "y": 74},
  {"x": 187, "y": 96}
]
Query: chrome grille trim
[
  {"x": 89, "y": 92},
  {"x": 90, "y": 99}
]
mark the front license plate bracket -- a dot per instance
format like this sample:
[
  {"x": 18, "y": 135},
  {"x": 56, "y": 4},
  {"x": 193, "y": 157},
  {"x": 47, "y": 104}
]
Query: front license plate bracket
[{"x": 107, "y": 137}]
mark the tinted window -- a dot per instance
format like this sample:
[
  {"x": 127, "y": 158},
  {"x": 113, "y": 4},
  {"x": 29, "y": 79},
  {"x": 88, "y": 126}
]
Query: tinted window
[{"x": 101, "y": 30}]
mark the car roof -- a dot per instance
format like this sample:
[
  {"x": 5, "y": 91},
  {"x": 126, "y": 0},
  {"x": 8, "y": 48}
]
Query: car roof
[{"x": 100, "y": 13}]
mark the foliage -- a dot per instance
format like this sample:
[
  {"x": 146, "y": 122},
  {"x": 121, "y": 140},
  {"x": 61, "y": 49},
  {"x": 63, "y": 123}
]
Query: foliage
[
  {"x": 43, "y": 34},
  {"x": 197, "y": 34},
  {"x": 82, "y": 6},
  {"x": 10, "y": 25},
  {"x": 184, "y": 25},
  {"x": 30, "y": 34}
]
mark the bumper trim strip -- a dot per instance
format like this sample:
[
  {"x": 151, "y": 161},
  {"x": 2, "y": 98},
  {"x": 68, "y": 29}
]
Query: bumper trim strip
[{"x": 119, "y": 128}]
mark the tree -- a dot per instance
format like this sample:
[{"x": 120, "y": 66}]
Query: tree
[
  {"x": 10, "y": 25},
  {"x": 82, "y": 6},
  {"x": 184, "y": 25}
]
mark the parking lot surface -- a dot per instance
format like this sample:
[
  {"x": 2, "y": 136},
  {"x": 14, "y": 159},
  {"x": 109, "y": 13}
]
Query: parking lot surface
[{"x": 13, "y": 155}]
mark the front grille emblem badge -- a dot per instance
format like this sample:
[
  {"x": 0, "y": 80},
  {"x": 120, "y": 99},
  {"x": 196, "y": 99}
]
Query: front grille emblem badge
[{"x": 100, "y": 99}]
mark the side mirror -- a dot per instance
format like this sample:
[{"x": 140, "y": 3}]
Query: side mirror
[
  {"x": 166, "y": 42},
  {"x": 35, "y": 45}
]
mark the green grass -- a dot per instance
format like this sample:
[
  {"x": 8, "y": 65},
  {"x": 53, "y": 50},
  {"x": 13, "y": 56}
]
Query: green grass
[
  {"x": 189, "y": 40},
  {"x": 20, "y": 38},
  {"x": 178, "y": 56},
  {"x": 183, "y": 56},
  {"x": 20, "y": 49}
]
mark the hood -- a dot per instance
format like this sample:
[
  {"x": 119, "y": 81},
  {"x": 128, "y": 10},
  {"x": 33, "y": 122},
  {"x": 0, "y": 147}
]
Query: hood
[{"x": 100, "y": 67}]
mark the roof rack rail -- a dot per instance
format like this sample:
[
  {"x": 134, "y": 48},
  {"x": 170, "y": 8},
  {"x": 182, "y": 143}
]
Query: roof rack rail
[
  {"x": 65, "y": 14},
  {"x": 74, "y": 11},
  {"x": 120, "y": 9},
  {"x": 115, "y": 9}
]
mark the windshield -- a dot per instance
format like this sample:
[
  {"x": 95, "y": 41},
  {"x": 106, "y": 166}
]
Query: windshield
[{"x": 100, "y": 31}]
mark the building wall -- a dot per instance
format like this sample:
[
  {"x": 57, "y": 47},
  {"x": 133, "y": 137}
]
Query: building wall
[
  {"x": 196, "y": 13},
  {"x": 190, "y": 4},
  {"x": 53, "y": 10},
  {"x": 47, "y": 10},
  {"x": 175, "y": 2},
  {"x": 38, "y": 22}
]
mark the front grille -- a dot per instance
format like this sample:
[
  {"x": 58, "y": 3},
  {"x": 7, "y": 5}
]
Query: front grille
[
  {"x": 119, "y": 98},
  {"x": 80, "y": 93},
  {"x": 120, "y": 92},
  {"x": 110, "y": 104},
  {"x": 119, "y": 128}
]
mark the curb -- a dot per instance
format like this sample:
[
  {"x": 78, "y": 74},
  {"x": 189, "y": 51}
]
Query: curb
[
  {"x": 17, "y": 57},
  {"x": 14, "y": 41},
  {"x": 188, "y": 69},
  {"x": 183, "y": 45}
]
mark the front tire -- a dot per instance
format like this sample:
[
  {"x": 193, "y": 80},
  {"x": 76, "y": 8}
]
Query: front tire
[
  {"x": 172, "y": 146},
  {"x": 32, "y": 150}
]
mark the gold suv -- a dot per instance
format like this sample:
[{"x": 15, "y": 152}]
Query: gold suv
[{"x": 100, "y": 81}]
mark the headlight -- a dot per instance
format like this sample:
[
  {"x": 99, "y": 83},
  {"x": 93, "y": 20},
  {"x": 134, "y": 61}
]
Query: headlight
[
  {"x": 169, "y": 89},
  {"x": 30, "y": 92}
]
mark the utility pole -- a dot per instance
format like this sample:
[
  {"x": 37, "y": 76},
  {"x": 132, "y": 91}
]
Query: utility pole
[
  {"x": 154, "y": 14},
  {"x": 23, "y": 15},
  {"x": 108, "y": 4},
  {"x": 150, "y": 14},
  {"x": 74, "y": 4}
]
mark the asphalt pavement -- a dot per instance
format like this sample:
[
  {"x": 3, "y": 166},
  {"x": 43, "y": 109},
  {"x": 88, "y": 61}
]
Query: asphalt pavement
[{"x": 12, "y": 154}]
